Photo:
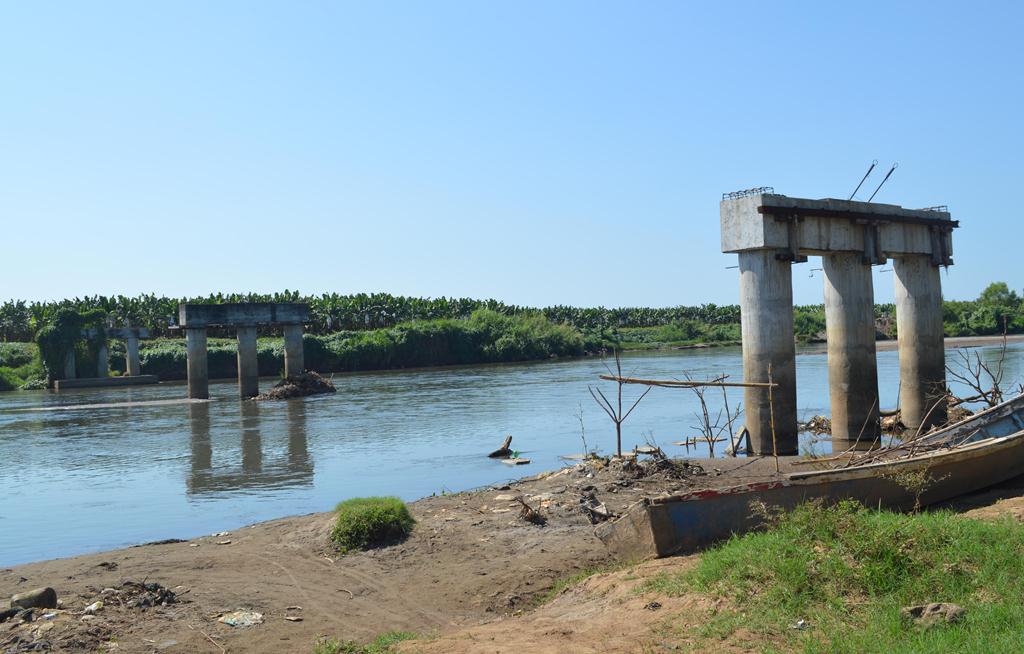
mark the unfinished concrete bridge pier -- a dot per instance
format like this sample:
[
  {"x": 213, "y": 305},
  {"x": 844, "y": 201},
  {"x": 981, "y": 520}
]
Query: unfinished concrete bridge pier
[
  {"x": 771, "y": 232},
  {"x": 244, "y": 318}
]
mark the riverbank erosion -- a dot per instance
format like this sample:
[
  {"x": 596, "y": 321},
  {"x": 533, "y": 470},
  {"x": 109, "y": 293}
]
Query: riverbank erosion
[
  {"x": 470, "y": 559},
  {"x": 475, "y": 575}
]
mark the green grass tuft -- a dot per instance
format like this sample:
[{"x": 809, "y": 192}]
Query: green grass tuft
[
  {"x": 847, "y": 570},
  {"x": 366, "y": 522},
  {"x": 383, "y": 644}
]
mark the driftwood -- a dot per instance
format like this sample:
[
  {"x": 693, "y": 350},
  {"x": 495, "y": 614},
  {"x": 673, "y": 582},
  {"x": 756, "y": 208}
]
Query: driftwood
[{"x": 504, "y": 451}]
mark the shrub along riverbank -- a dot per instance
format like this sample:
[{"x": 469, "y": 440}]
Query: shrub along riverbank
[
  {"x": 485, "y": 337},
  {"x": 380, "y": 332},
  {"x": 998, "y": 308}
]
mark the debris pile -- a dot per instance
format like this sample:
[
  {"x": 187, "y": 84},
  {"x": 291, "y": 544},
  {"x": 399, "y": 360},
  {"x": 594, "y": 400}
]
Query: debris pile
[
  {"x": 817, "y": 425},
  {"x": 140, "y": 595},
  {"x": 301, "y": 385}
]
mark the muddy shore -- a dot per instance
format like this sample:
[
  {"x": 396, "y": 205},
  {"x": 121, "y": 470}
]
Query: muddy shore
[
  {"x": 471, "y": 559},
  {"x": 472, "y": 566}
]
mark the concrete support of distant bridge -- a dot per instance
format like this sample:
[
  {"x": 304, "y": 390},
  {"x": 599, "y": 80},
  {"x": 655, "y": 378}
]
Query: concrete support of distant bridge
[{"x": 245, "y": 318}]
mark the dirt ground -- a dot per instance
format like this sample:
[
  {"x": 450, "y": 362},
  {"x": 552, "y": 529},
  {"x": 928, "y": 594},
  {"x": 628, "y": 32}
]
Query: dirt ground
[
  {"x": 468, "y": 578},
  {"x": 471, "y": 558}
]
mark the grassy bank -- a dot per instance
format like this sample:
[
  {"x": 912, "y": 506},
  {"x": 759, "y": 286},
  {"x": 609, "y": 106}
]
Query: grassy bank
[{"x": 846, "y": 572}]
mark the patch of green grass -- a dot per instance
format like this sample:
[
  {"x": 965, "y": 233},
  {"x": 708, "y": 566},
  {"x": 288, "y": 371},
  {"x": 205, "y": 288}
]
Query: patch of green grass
[
  {"x": 383, "y": 644},
  {"x": 847, "y": 570},
  {"x": 366, "y": 522}
]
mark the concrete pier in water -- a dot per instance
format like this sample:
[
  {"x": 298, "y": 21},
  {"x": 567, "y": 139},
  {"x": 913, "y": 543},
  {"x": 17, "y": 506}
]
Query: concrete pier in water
[
  {"x": 294, "y": 353},
  {"x": 245, "y": 318},
  {"x": 133, "y": 368},
  {"x": 922, "y": 353},
  {"x": 850, "y": 332},
  {"x": 196, "y": 364},
  {"x": 766, "y": 295},
  {"x": 770, "y": 233}
]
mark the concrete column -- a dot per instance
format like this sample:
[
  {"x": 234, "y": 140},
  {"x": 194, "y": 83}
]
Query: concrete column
[
  {"x": 766, "y": 305},
  {"x": 248, "y": 370},
  {"x": 294, "y": 356},
  {"x": 69, "y": 364},
  {"x": 850, "y": 329},
  {"x": 134, "y": 367},
  {"x": 198, "y": 377},
  {"x": 102, "y": 361},
  {"x": 922, "y": 353}
]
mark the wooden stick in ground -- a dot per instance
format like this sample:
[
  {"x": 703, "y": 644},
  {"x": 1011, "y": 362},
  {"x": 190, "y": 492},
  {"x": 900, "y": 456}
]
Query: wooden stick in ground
[{"x": 771, "y": 413}]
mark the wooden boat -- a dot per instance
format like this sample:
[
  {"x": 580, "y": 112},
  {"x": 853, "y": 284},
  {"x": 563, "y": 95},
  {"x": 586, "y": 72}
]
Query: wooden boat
[{"x": 980, "y": 451}]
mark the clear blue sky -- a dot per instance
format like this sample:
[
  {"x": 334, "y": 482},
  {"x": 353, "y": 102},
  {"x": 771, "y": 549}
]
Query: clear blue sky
[{"x": 538, "y": 153}]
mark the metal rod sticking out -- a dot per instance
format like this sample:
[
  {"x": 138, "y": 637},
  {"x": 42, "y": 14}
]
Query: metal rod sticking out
[
  {"x": 883, "y": 182},
  {"x": 862, "y": 179}
]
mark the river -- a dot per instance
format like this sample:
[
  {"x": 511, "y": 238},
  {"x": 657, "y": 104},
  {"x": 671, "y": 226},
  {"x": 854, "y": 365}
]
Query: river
[{"x": 91, "y": 470}]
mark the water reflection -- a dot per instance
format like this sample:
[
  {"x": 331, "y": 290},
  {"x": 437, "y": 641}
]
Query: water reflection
[
  {"x": 202, "y": 448},
  {"x": 248, "y": 466}
]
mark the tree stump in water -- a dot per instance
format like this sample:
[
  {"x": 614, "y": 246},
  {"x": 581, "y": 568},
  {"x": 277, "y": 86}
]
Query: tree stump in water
[{"x": 504, "y": 451}]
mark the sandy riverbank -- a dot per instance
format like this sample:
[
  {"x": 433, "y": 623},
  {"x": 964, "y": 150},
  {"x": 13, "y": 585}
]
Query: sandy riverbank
[
  {"x": 470, "y": 574},
  {"x": 471, "y": 559},
  {"x": 951, "y": 343}
]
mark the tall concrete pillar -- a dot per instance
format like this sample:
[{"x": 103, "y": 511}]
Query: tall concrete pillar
[
  {"x": 248, "y": 369},
  {"x": 922, "y": 353},
  {"x": 766, "y": 307},
  {"x": 850, "y": 330},
  {"x": 133, "y": 367},
  {"x": 198, "y": 376},
  {"x": 294, "y": 356},
  {"x": 69, "y": 365},
  {"x": 102, "y": 361}
]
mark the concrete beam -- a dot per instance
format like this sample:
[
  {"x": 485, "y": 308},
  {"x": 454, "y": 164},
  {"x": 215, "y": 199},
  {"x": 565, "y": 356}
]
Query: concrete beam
[
  {"x": 248, "y": 368},
  {"x": 198, "y": 375},
  {"x": 766, "y": 310},
  {"x": 920, "y": 333},
  {"x": 850, "y": 329},
  {"x": 242, "y": 314},
  {"x": 757, "y": 222},
  {"x": 294, "y": 353}
]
